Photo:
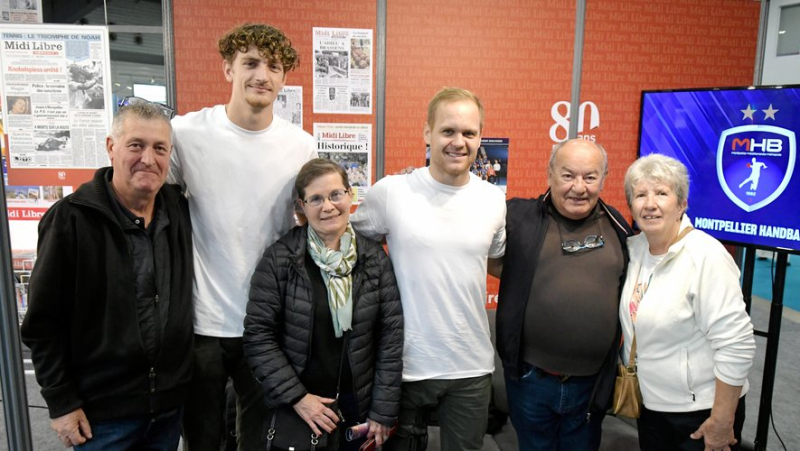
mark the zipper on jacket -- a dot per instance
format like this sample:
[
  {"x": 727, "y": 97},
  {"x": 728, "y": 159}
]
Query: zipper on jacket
[
  {"x": 152, "y": 377},
  {"x": 689, "y": 376},
  {"x": 159, "y": 323}
]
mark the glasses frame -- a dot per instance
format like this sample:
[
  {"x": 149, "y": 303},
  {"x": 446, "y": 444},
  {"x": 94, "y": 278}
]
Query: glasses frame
[
  {"x": 133, "y": 100},
  {"x": 589, "y": 243},
  {"x": 345, "y": 196}
]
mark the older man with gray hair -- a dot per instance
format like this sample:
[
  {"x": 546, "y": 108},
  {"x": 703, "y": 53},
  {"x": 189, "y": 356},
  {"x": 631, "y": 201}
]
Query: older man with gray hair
[
  {"x": 558, "y": 333},
  {"x": 109, "y": 322}
]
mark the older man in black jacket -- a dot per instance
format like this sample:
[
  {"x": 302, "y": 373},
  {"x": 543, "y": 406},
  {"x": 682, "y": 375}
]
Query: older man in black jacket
[
  {"x": 110, "y": 318},
  {"x": 557, "y": 324}
]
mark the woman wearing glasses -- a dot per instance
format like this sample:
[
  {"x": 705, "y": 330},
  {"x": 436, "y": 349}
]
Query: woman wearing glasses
[
  {"x": 682, "y": 308},
  {"x": 319, "y": 290}
]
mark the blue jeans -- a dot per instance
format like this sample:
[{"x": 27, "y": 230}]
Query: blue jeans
[
  {"x": 160, "y": 432},
  {"x": 549, "y": 414}
]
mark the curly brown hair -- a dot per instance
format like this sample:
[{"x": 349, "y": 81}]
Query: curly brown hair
[{"x": 270, "y": 42}]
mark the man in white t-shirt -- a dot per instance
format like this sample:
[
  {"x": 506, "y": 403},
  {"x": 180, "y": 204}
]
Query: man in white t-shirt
[
  {"x": 442, "y": 223},
  {"x": 237, "y": 164}
]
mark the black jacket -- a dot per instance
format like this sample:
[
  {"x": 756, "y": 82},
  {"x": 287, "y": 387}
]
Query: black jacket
[
  {"x": 525, "y": 235},
  {"x": 81, "y": 324},
  {"x": 278, "y": 326}
]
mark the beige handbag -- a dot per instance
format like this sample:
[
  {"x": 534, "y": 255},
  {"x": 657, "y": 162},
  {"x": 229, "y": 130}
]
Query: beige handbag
[{"x": 627, "y": 396}]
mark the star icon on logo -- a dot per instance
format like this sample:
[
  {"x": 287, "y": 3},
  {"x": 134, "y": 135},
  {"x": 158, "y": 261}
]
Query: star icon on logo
[
  {"x": 748, "y": 113},
  {"x": 769, "y": 113}
]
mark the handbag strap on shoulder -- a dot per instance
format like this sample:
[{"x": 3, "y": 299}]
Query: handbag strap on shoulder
[{"x": 632, "y": 360}]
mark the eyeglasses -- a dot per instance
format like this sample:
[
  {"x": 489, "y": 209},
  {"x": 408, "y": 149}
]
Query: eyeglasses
[
  {"x": 589, "y": 243},
  {"x": 132, "y": 100},
  {"x": 336, "y": 196}
]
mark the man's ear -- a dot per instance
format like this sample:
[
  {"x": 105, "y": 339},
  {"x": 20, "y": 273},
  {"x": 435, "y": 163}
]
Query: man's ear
[
  {"x": 226, "y": 70},
  {"x": 110, "y": 148},
  {"x": 426, "y": 133}
]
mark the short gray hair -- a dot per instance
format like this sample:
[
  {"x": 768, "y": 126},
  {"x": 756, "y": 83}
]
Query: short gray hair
[
  {"x": 557, "y": 147},
  {"x": 141, "y": 110},
  {"x": 658, "y": 168}
]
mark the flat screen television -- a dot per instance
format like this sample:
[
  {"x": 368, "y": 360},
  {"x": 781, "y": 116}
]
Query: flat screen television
[{"x": 740, "y": 147}]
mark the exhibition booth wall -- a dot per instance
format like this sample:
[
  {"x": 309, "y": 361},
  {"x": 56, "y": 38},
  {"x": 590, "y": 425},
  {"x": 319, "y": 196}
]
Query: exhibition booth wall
[{"x": 516, "y": 55}]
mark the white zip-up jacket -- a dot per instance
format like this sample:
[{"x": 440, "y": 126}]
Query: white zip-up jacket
[{"x": 691, "y": 325}]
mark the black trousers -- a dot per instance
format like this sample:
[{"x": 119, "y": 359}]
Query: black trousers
[
  {"x": 669, "y": 431},
  {"x": 215, "y": 360}
]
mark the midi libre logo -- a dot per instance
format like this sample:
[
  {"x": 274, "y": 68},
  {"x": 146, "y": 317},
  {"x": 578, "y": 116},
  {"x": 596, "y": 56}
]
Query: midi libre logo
[{"x": 755, "y": 162}]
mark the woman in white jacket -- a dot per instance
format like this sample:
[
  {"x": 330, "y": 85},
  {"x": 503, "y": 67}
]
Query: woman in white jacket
[{"x": 682, "y": 300}]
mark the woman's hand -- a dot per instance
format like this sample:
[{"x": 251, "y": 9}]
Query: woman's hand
[
  {"x": 379, "y": 431},
  {"x": 717, "y": 430},
  {"x": 718, "y": 435},
  {"x": 316, "y": 414}
]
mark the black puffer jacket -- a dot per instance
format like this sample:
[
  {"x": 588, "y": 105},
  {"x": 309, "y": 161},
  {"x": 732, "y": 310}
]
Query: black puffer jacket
[{"x": 278, "y": 326}]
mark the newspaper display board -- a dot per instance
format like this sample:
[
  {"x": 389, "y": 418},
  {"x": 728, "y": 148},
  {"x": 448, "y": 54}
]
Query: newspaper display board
[
  {"x": 20, "y": 11},
  {"x": 57, "y": 98},
  {"x": 349, "y": 145},
  {"x": 289, "y": 105},
  {"x": 343, "y": 70}
]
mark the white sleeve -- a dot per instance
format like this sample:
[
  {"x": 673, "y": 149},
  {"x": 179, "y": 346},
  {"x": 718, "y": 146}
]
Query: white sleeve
[
  {"x": 370, "y": 219},
  {"x": 175, "y": 174},
  {"x": 312, "y": 150},
  {"x": 498, "y": 247},
  {"x": 720, "y": 314}
]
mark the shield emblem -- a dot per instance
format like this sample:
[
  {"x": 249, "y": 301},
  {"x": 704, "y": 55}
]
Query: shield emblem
[{"x": 755, "y": 164}]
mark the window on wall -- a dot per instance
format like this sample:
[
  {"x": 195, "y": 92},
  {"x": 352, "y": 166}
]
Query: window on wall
[
  {"x": 789, "y": 31},
  {"x": 135, "y": 39}
]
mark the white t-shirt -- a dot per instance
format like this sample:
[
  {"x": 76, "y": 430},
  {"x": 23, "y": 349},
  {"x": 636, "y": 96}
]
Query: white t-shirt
[
  {"x": 439, "y": 238},
  {"x": 239, "y": 184}
]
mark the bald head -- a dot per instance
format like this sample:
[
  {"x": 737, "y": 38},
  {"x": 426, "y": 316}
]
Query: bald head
[{"x": 575, "y": 175}]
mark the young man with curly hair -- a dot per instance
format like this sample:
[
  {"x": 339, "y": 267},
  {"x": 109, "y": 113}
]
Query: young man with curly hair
[{"x": 237, "y": 164}]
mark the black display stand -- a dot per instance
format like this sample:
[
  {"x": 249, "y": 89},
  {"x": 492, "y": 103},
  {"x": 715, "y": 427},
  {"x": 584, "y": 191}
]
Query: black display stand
[{"x": 772, "y": 334}]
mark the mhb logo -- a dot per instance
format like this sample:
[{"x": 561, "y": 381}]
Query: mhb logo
[{"x": 755, "y": 163}]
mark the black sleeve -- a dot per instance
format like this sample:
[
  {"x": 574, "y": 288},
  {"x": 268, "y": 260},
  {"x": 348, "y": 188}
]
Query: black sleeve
[
  {"x": 262, "y": 328},
  {"x": 46, "y": 327},
  {"x": 389, "y": 359}
]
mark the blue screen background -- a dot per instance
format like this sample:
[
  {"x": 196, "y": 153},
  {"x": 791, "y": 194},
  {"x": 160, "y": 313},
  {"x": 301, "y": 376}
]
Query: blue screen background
[{"x": 687, "y": 125}]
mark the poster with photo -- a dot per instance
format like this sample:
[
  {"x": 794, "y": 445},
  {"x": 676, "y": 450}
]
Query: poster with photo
[
  {"x": 289, "y": 105},
  {"x": 349, "y": 145},
  {"x": 342, "y": 70},
  {"x": 491, "y": 162},
  {"x": 57, "y": 103}
]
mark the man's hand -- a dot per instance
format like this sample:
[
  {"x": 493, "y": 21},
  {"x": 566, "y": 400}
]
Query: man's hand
[
  {"x": 718, "y": 435},
  {"x": 72, "y": 428},
  {"x": 379, "y": 431},
  {"x": 314, "y": 412}
]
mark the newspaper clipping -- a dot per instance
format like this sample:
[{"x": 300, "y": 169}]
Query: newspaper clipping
[
  {"x": 20, "y": 11},
  {"x": 349, "y": 145},
  {"x": 289, "y": 105},
  {"x": 342, "y": 71},
  {"x": 56, "y": 89}
]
